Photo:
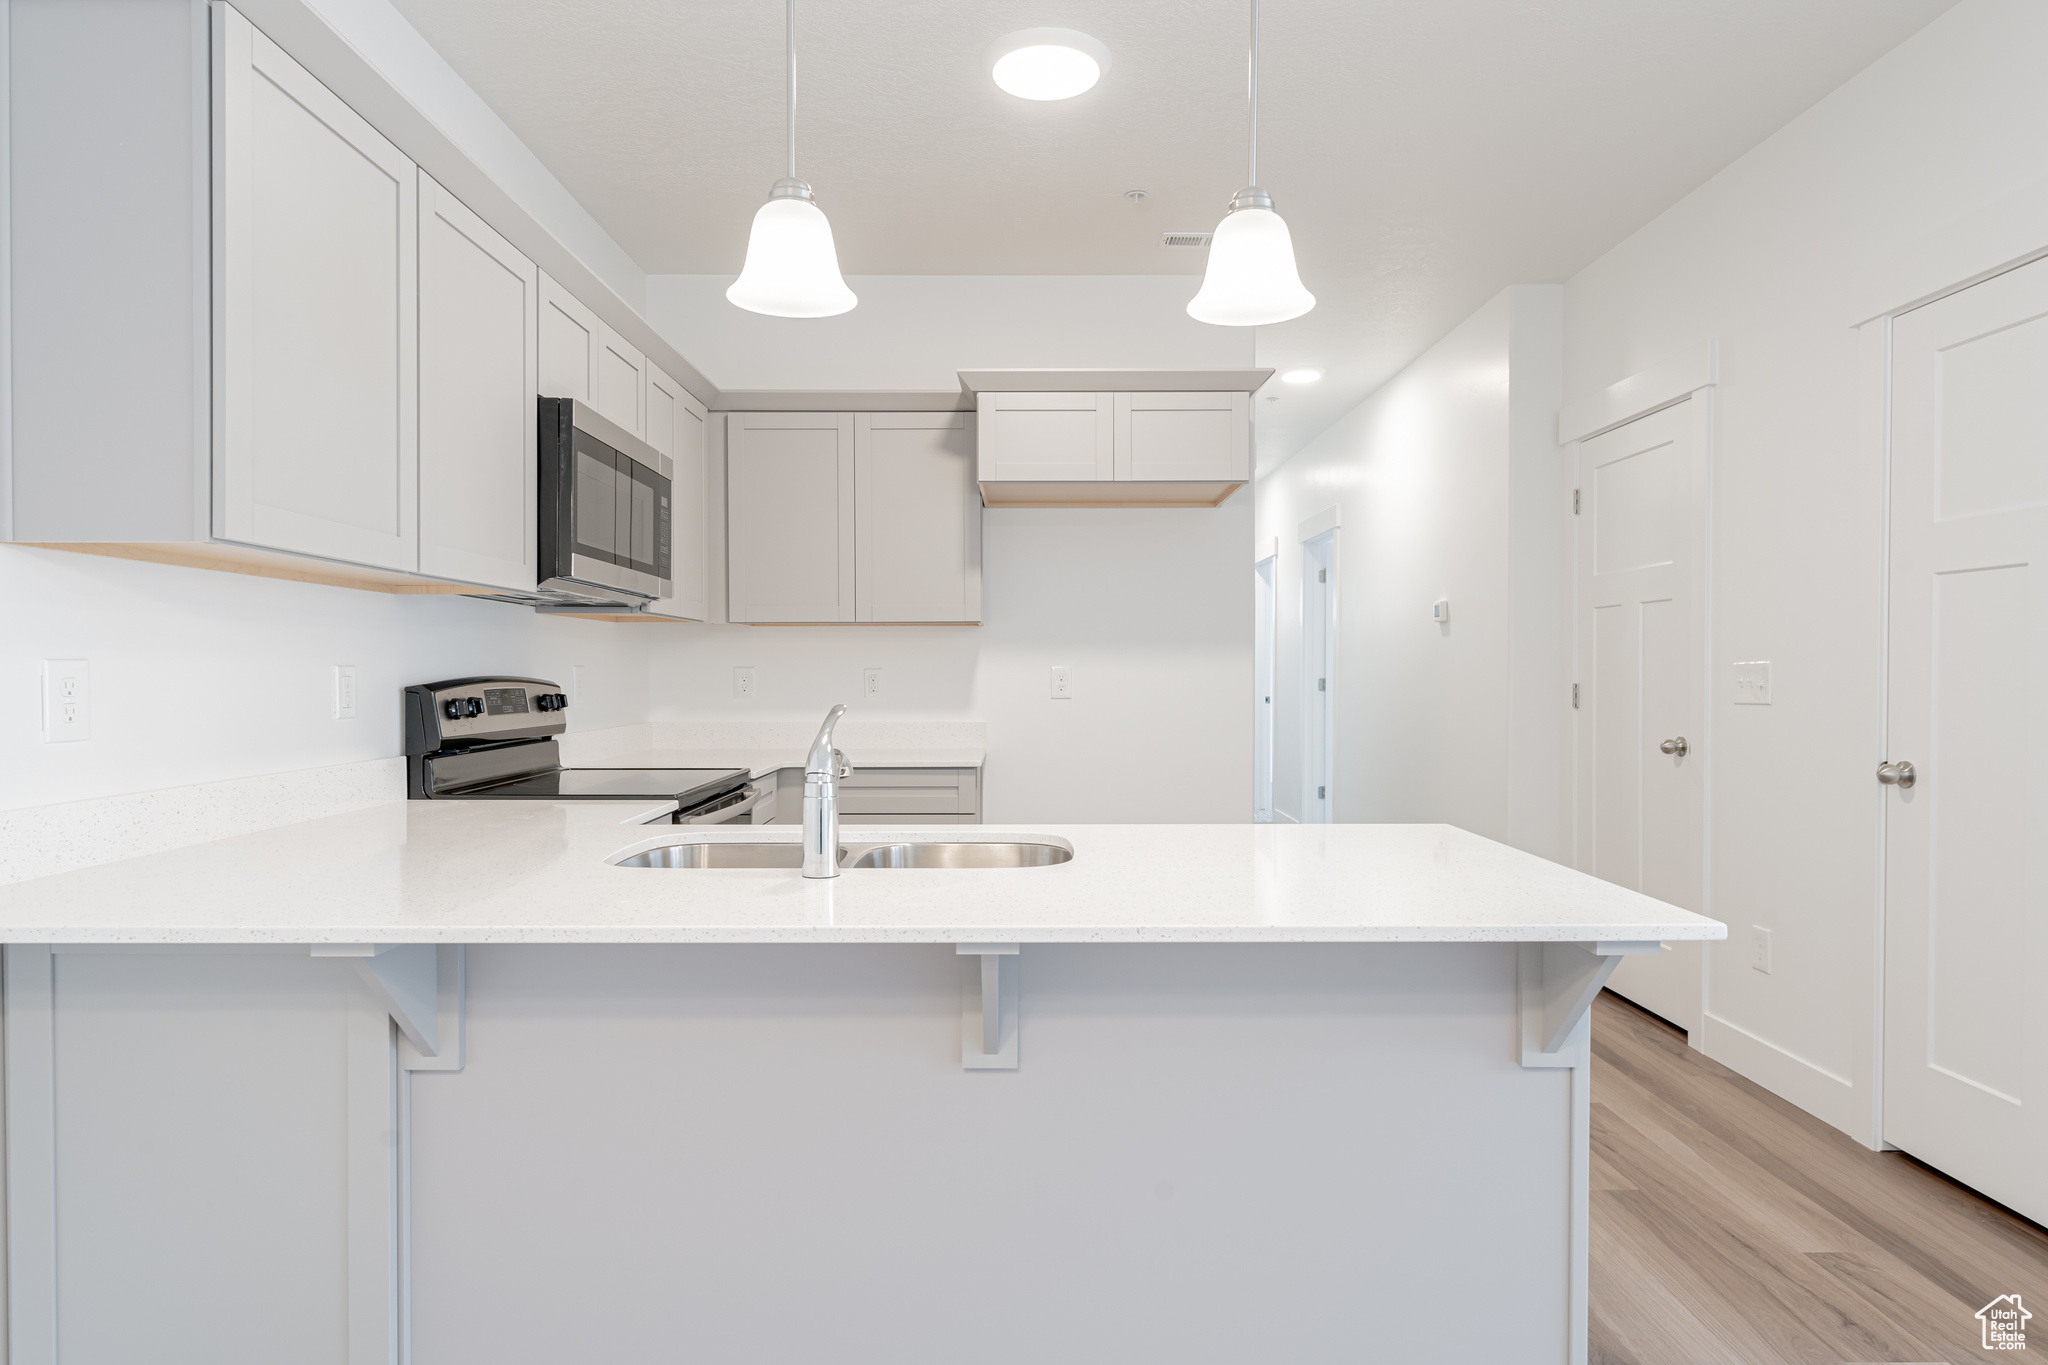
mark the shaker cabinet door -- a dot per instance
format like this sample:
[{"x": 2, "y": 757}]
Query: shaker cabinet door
[
  {"x": 676, "y": 425},
  {"x": 479, "y": 354},
  {"x": 569, "y": 345},
  {"x": 621, "y": 381},
  {"x": 1163, "y": 437},
  {"x": 1047, "y": 437},
  {"x": 315, "y": 363},
  {"x": 917, "y": 517},
  {"x": 789, "y": 523}
]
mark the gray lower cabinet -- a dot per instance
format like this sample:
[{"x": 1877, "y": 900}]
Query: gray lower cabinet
[{"x": 899, "y": 797}]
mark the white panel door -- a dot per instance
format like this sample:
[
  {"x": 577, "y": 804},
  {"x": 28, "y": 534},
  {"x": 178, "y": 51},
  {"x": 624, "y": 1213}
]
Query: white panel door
[
  {"x": 676, "y": 425},
  {"x": 789, "y": 516},
  {"x": 1162, "y": 437},
  {"x": 569, "y": 345},
  {"x": 1642, "y": 643},
  {"x": 1966, "y": 848},
  {"x": 315, "y": 366},
  {"x": 1047, "y": 437},
  {"x": 479, "y": 357},
  {"x": 621, "y": 381},
  {"x": 917, "y": 517}
]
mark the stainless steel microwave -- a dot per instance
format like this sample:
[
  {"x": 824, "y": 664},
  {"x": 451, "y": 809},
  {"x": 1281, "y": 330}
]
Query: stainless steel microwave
[{"x": 605, "y": 502}]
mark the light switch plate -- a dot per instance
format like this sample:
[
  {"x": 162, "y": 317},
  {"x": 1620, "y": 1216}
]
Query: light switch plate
[
  {"x": 1753, "y": 683},
  {"x": 743, "y": 683},
  {"x": 1062, "y": 683},
  {"x": 344, "y": 691},
  {"x": 871, "y": 682},
  {"x": 67, "y": 700}
]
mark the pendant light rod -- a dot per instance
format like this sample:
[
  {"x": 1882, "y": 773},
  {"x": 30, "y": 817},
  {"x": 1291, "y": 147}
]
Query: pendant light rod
[
  {"x": 1252, "y": 171},
  {"x": 790, "y": 32}
]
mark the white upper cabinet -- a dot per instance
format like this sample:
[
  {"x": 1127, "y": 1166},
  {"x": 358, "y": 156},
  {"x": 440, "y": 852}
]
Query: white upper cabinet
[
  {"x": 1047, "y": 437},
  {"x": 1174, "y": 436},
  {"x": 621, "y": 381},
  {"x": 917, "y": 517},
  {"x": 315, "y": 364},
  {"x": 569, "y": 345},
  {"x": 789, "y": 516},
  {"x": 677, "y": 426},
  {"x": 479, "y": 357}
]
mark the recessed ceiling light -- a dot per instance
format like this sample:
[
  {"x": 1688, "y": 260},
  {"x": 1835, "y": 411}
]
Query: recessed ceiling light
[
  {"x": 1046, "y": 63},
  {"x": 1303, "y": 376}
]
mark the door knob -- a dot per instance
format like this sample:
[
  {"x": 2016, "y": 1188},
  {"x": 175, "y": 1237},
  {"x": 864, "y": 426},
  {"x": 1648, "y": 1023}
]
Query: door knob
[
  {"x": 1674, "y": 746},
  {"x": 1898, "y": 775}
]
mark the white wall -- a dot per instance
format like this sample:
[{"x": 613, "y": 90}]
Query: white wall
[
  {"x": 1765, "y": 257},
  {"x": 1150, "y": 608},
  {"x": 918, "y": 331},
  {"x": 198, "y": 675},
  {"x": 1449, "y": 484}
]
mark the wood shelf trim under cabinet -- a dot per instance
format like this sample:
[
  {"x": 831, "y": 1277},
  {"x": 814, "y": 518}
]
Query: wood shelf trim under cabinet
[
  {"x": 1108, "y": 494},
  {"x": 260, "y": 563}
]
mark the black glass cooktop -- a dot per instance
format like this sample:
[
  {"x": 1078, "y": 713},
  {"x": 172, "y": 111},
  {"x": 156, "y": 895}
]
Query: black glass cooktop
[{"x": 688, "y": 785}]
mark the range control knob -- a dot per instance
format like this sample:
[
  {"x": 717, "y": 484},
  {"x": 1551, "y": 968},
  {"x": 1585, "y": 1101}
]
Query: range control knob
[
  {"x": 545, "y": 701},
  {"x": 472, "y": 706},
  {"x": 452, "y": 708},
  {"x": 561, "y": 701}
]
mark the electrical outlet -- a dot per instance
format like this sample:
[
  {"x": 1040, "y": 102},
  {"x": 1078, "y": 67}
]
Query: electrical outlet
[
  {"x": 1062, "y": 683},
  {"x": 67, "y": 700},
  {"x": 1760, "y": 948},
  {"x": 871, "y": 683},
  {"x": 579, "y": 685},
  {"x": 743, "y": 683},
  {"x": 344, "y": 691}
]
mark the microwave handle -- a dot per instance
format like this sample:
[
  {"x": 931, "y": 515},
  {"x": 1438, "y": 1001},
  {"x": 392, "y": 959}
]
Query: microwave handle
[{"x": 756, "y": 793}]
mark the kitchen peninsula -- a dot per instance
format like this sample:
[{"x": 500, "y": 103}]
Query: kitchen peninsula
[{"x": 447, "y": 1077}]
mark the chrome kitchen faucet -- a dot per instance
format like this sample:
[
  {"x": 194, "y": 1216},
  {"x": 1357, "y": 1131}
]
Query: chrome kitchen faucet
[{"x": 822, "y": 772}]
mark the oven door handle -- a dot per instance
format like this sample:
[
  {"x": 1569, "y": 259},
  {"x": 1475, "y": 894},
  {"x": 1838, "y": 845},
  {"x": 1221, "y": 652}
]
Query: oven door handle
[{"x": 756, "y": 793}]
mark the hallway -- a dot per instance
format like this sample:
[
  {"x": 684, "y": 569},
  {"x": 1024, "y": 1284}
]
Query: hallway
[{"x": 1730, "y": 1228}]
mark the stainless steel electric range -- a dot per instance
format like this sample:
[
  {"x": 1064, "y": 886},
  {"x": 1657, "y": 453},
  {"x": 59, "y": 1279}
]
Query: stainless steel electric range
[{"x": 492, "y": 739}]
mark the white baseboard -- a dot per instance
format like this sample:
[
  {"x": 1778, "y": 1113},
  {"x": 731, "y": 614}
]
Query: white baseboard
[
  {"x": 40, "y": 841},
  {"x": 1827, "y": 1096}
]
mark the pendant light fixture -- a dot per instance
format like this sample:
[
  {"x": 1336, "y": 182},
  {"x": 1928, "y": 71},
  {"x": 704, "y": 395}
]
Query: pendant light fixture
[
  {"x": 1251, "y": 279},
  {"x": 792, "y": 268}
]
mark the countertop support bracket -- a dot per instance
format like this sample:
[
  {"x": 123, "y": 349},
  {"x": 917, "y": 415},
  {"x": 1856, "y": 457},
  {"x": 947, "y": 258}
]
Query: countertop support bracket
[
  {"x": 422, "y": 986},
  {"x": 988, "y": 1006},
  {"x": 1556, "y": 984}
]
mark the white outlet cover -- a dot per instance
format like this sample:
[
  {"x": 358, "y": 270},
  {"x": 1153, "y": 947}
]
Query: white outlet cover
[
  {"x": 67, "y": 700},
  {"x": 1752, "y": 682},
  {"x": 344, "y": 691},
  {"x": 871, "y": 682},
  {"x": 1062, "y": 683},
  {"x": 743, "y": 683},
  {"x": 1760, "y": 948}
]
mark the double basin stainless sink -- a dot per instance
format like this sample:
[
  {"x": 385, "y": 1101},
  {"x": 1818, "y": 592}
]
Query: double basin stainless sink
[{"x": 935, "y": 853}]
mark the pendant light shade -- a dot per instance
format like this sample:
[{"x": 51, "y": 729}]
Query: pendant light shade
[
  {"x": 792, "y": 268},
  {"x": 1251, "y": 279}
]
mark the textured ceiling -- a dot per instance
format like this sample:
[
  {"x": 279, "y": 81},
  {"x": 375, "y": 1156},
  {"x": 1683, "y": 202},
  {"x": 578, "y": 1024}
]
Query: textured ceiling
[{"x": 1426, "y": 153}]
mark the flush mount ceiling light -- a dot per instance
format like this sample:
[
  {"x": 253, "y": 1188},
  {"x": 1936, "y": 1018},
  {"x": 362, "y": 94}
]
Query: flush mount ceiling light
[
  {"x": 1251, "y": 278},
  {"x": 1308, "y": 375},
  {"x": 792, "y": 268},
  {"x": 1046, "y": 63}
]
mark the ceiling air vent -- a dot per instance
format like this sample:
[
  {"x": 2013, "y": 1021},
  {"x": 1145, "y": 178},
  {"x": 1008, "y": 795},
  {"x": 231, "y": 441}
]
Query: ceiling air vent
[{"x": 1185, "y": 238}]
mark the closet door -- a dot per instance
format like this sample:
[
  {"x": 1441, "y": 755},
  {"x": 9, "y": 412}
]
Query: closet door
[
  {"x": 917, "y": 517},
  {"x": 316, "y": 370},
  {"x": 479, "y": 357},
  {"x": 569, "y": 346},
  {"x": 789, "y": 516}
]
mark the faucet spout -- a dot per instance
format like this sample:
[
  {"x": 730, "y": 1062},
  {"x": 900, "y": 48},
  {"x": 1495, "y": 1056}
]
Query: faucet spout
[{"x": 822, "y": 771}]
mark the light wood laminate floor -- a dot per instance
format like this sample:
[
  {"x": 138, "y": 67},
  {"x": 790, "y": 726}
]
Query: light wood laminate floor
[{"x": 1730, "y": 1228}]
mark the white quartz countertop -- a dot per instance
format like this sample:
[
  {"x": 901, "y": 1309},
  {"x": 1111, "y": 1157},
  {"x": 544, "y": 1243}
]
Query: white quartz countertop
[{"x": 539, "y": 872}]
